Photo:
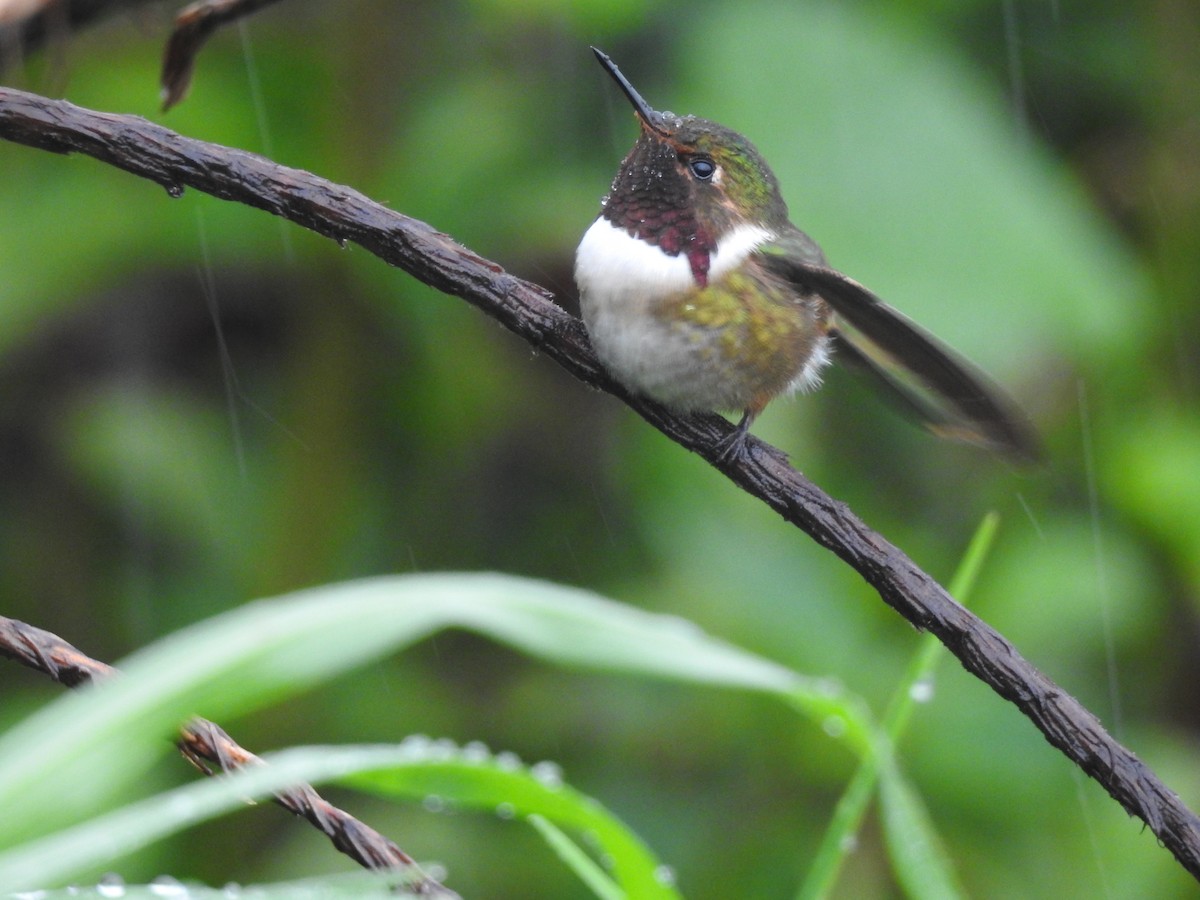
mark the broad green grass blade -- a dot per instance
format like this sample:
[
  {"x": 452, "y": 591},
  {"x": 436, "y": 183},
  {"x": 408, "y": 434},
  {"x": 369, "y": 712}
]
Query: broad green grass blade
[
  {"x": 851, "y": 807},
  {"x": 918, "y": 858},
  {"x": 59, "y": 857},
  {"x": 71, "y": 759},
  {"x": 471, "y": 777},
  {"x": 350, "y": 886},
  {"x": 577, "y": 860},
  {"x": 417, "y": 768},
  {"x": 840, "y": 713},
  {"x": 917, "y": 683}
]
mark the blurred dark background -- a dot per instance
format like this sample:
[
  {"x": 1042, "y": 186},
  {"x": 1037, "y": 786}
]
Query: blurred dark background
[{"x": 200, "y": 405}]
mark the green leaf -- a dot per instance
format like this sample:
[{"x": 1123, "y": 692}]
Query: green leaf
[
  {"x": 852, "y": 806},
  {"x": 575, "y": 858},
  {"x": 916, "y": 852},
  {"x": 351, "y": 886},
  {"x": 418, "y": 768},
  {"x": 57, "y": 858},
  {"x": 474, "y": 778},
  {"x": 246, "y": 658}
]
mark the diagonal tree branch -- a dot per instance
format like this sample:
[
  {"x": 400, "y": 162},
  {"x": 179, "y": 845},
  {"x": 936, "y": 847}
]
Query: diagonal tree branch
[
  {"x": 206, "y": 746},
  {"x": 338, "y": 212}
]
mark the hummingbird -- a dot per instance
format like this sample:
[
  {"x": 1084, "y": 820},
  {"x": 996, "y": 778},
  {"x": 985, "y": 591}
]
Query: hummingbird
[{"x": 698, "y": 292}]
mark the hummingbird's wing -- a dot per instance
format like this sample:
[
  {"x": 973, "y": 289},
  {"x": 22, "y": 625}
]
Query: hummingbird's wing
[{"x": 948, "y": 395}]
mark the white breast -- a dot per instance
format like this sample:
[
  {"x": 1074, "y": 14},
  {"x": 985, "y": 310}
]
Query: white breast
[{"x": 620, "y": 278}]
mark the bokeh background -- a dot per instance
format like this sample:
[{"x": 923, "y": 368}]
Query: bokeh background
[{"x": 200, "y": 405}]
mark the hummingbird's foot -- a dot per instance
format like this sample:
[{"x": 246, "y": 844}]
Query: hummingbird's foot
[{"x": 732, "y": 447}]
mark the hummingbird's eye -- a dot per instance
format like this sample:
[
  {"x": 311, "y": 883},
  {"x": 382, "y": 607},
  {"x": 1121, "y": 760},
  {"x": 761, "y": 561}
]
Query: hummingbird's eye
[{"x": 701, "y": 167}]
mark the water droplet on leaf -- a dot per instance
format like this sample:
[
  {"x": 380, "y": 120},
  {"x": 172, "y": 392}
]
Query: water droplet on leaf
[
  {"x": 166, "y": 886},
  {"x": 548, "y": 774},
  {"x": 921, "y": 690},
  {"x": 111, "y": 885},
  {"x": 507, "y": 761},
  {"x": 416, "y": 746},
  {"x": 834, "y": 726},
  {"x": 476, "y": 752},
  {"x": 443, "y": 749}
]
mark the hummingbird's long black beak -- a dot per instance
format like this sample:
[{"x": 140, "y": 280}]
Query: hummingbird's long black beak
[{"x": 649, "y": 116}]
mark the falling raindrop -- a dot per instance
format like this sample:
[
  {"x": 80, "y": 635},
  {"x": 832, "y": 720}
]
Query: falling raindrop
[
  {"x": 1016, "y": 70},
  {"x": 1103, "y": 594}
]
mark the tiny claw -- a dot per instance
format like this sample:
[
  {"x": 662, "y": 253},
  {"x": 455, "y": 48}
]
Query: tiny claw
[{"x": 732, "y": 447}]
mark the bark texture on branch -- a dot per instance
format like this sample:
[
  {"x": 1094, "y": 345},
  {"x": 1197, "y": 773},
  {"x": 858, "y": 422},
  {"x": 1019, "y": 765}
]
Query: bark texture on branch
[{"x": 338, "y": 212}]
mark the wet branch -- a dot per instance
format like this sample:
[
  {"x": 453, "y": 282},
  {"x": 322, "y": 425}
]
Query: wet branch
[
  {"x": 212, "y": 751},
  {"x": 153, "y": 152}
]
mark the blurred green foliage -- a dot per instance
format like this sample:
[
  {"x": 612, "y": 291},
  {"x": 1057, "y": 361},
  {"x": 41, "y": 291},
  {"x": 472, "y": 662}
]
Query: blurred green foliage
[{"x": 1019, "y": 177}]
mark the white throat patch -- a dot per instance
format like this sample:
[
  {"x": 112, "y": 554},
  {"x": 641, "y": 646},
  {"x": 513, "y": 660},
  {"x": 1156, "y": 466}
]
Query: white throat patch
[
  {"x": 611, "y": 264},
  {"x": 733, "y": 249}
]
